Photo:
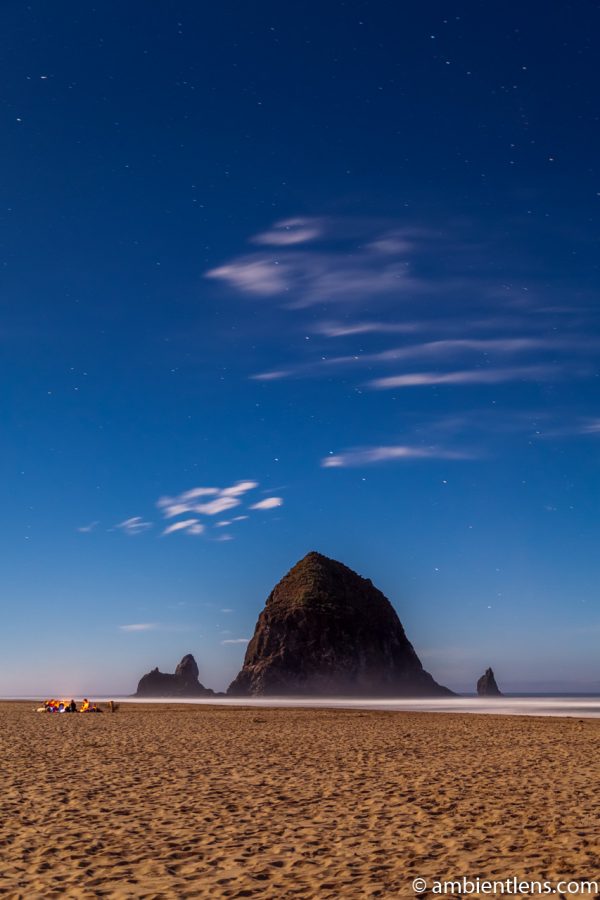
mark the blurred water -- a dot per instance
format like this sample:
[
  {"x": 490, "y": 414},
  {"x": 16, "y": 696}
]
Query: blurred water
[{"x": 542, "y": 705}]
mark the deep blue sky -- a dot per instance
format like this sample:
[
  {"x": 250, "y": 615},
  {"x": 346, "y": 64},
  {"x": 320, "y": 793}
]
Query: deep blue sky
[{"x": 337, "y": 261}]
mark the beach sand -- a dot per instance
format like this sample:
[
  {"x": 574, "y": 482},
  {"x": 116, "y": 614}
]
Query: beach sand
[{"x": 190, "y": 801}]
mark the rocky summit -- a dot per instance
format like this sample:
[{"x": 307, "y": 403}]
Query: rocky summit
[
  {"x": 486, "y": 685},
  {"x": 184, "y": 683},
  {"x": 325, "y": 631}
]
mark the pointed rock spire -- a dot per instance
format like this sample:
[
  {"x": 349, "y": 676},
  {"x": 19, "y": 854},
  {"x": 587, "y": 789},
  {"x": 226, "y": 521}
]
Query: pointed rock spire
[{"x": 486, "y": 685}]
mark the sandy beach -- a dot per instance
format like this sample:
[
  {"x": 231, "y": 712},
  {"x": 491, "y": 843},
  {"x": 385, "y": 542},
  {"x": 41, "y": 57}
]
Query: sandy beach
[{"x": 185, "y": 801}]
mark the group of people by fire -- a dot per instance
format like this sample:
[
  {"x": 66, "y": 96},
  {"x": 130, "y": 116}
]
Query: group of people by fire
[{"x": 69, "y": 706}]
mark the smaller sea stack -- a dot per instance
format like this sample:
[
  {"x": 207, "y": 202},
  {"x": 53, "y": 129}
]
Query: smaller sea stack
[
  {"x": 486, "y": 685},
  {"x": 184, "y": 683}
]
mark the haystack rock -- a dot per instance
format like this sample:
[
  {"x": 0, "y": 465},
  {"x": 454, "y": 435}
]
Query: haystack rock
[
  {"x": 325, "y": 631},
  {"x": 184, "y": 683},
  {"x": 486, "y": 685}
]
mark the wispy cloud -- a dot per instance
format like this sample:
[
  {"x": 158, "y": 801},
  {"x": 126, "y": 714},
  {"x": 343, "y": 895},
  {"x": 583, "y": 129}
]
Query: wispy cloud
[
  {"x": 224, "y": 523},
  {"x": 193, "y": 510},
  {"x": 135, "y": 525},
  {"x": 190, "y": 526},
  {"x": 392, "y": 243},
  {"x": 224, "y": 499},
  {"x": 240, "y": 487},
  {"x": 218, "y": 505},
  {"x": 414, "y": 307},
  {"x": 86, "y": 529},
  {"x": 466, "y": 376},
  {"x": 526, "y": 320},
  {"x": 378, "y": 267},
  {"x": 254, "y": 275},
  {"x": 591, "y": 426},
  {"x": 208, "y": 502},
  {"x": 426, "y": 351},
  {"x": 565, "y": 427},
  {"x": 362, "y": 456},
  {"x": 268, "y": 503},
  {"x": 291, "y": 231},
  {"x": 349, "y": 329},
  {"x": 155, "y": 626},
  {"x": 308, "y": 278},
  {"x": 236, "y": 641},
  {"x": 139, "y": 626},
  {"x": 272, "y": 376},
  {"x": 449, "y": 348}
]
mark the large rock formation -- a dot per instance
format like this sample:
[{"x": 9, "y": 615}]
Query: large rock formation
[
  {"x": 326, "y": 631},
  {"x": 486, "y": 685},
  {"x": 184, "y": 683}
]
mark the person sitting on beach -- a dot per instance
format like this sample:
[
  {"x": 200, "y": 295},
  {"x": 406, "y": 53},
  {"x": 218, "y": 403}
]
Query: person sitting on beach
[
  {"x": 72, "y": 707},
  {"x": 85, "y": 705}
]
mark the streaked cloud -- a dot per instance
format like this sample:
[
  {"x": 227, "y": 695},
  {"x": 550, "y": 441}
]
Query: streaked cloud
[
  {"x": 240, "y": 487},
  {"x": 526, "y": 320},
  {"x": 455, "y": 320},
  {"x": 272, "y": 376},
  {"x": 225, "y": 523},
  {"x": 304, "y": 277},
  {"x": 139, "y": 626},
  {"x": 155, "y": 626},
  {"x": 219, "y": 505},
  {"x": 413, "y": 307},
  {"x": 223, "y": 499},
  {"x": 591, "y": 426},
  {"x": 392, "y": 243},
  {"x": 86, "y": 529},
  {"x": 457, "y": 346},
  {"x": 565, "y": 427},
  {"x": 362, "y": 456},
  {"x": 190, "y": 526},
  {"x": 349, "y": 329},
  {"x": 134, "y": 525},
  {"x": 291, "y": 231},
  {"x": 194, "y": 493},
  {"x": 268, "y": 503},
  {"x": 466, "y": 376},
  {"x": 208, "y": 502},
  {"x": 236, "y": 641},
  {"x": 254, "y": 275},
  {"x": 425, "y": 351}
]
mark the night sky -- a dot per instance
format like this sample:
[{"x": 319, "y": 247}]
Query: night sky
[{"x": 283, "y": 277}]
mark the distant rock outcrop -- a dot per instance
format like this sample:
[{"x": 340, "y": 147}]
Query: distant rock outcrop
[
  {"x": 486, "y": 685},
  {"x": 325, "y": 631},
  {"x": 184, "y": 683}
]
